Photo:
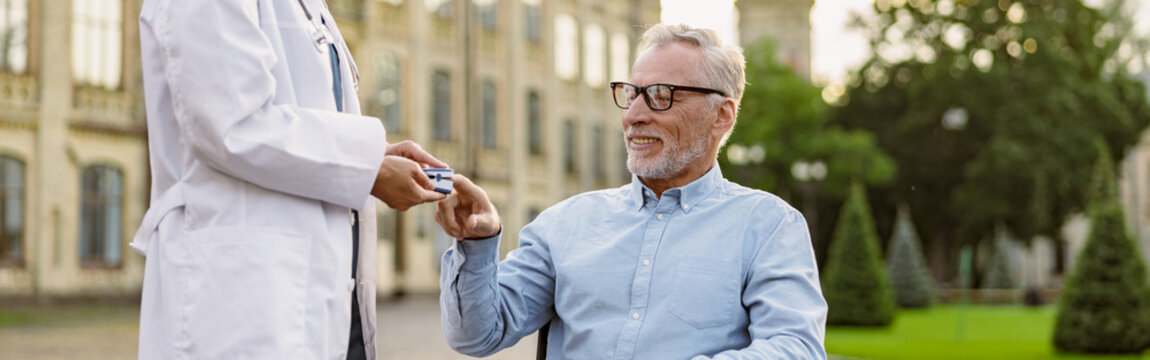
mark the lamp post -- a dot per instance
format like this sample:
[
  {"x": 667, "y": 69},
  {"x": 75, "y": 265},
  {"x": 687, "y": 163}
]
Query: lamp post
[{"x": 809, "y": 174}]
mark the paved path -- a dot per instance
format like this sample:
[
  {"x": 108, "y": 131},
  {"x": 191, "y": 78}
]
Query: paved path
[{"x": 408, "y": 329}]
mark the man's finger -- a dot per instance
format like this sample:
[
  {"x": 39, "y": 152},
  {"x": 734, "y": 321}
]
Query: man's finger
[
  {"x": 441, "y": 220},
  {"x": 449, "y": 214},
  {"x": 465, "y": 186}
]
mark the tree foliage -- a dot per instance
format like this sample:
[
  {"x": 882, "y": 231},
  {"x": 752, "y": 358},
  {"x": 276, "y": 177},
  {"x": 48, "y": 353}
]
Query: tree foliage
[
  {"x": 1105, "y": 307},
  {"x": 856, "y": 285},
  {"x": 998, "y": 268},
  {"x": 913, "y": 286},
  {"x": 784, "y": 114},
  {"x": 990, "y": 109}
]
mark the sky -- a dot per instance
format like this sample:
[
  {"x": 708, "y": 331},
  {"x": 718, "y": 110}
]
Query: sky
[{"x": 835, "y": 49}]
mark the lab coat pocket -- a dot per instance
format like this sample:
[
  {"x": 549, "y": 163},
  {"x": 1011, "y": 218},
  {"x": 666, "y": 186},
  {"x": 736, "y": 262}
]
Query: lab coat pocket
[
  {"x": 246, "y": 293},
  {"x": 705, "y": 296}
]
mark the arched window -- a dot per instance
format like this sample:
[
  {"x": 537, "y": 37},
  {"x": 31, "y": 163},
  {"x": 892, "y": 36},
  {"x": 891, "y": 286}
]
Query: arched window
[
  {"x": 101, "y": 215},
  {"x": 11, "y": 211}
]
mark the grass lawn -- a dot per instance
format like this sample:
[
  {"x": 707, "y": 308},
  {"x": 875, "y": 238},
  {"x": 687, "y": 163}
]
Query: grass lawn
[
  {"x": 988, "y": 332},
  {"x": 17, "y": 316}
]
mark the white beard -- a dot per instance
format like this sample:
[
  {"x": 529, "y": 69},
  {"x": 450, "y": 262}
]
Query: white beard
[{"x": 671, "y": 161}]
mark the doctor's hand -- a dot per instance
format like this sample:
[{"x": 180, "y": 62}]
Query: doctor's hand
[
  {"x": 467, "y": 213},
  {"x": 402, "y": 184},
  {"x": 412, "y": 151}
]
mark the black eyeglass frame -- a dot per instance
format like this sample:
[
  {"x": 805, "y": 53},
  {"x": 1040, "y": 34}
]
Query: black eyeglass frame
[{"x": 642, "y": 91}]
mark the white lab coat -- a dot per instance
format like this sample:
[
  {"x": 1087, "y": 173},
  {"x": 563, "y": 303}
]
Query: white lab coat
[{"x": 254, "y": 175}]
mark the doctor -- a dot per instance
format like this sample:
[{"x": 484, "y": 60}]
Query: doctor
[{"x": 262, "y": 178}]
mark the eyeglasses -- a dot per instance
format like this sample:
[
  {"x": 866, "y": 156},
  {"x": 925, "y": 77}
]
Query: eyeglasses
[{"x": 659, "y": 97}]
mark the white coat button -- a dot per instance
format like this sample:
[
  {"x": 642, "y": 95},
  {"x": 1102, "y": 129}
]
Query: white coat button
[
  {"x": 660, "y": 217},
  {"x": 635, "y": 316},
  {"x": 350, "y": 285},
  {"x": 647, "y": 262}
]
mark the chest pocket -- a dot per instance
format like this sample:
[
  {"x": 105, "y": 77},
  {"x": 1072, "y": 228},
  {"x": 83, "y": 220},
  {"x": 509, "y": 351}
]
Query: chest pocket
[{"x": 705, "y": 296}]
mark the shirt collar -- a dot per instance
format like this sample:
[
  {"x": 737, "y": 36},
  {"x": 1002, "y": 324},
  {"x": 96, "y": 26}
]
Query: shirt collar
[{"x": 690, "y": 194}]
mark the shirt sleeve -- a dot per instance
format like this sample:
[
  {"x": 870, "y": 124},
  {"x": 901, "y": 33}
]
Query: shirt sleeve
[
  {"x": 221, "y": 85},
  {"x": 787, "y": 310},
  {"x": 486, "y": 305}
]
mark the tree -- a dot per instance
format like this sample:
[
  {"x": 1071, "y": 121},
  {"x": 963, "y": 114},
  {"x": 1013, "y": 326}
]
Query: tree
[
  {"x": 913, "y": 286},
  {"x": 986, "y": 106},
  {"x": 856, "y": 286},
  {"x": 997, "y": 275},
  {"x": 784, "y": 114},
  {"x": 1105, "y": 307}
]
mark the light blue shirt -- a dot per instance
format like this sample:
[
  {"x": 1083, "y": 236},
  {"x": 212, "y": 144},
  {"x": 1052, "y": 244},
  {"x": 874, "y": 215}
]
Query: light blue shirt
[{"x": 712, "y": 270}]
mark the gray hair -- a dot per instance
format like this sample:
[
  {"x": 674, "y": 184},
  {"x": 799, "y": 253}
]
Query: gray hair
[{"x": 724, "y": 67}]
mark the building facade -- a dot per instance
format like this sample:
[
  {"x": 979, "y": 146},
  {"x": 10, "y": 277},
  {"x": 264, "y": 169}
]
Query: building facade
[
  {"x": 786, "y": 22},
  {"x": 512, "y": 93}
]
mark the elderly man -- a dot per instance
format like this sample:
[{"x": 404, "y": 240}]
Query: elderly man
[{"x": 679, "y": 264}]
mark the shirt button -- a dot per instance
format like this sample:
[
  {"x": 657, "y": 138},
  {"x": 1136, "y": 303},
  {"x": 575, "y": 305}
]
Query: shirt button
[
  {"x": 350, "y": 285},
  {"x": 660, "y": 217},
  {"x": 647, "y": 262},
  {"x": 685, "y": 206},
  {"x": 635, "y": 316}
]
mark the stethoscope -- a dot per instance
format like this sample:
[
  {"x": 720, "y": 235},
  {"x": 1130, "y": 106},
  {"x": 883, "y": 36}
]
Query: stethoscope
[{"x": 322, "y": 39}]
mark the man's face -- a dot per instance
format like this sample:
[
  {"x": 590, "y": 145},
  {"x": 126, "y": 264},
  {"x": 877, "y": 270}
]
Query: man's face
[{"x": 665, "y": 144}]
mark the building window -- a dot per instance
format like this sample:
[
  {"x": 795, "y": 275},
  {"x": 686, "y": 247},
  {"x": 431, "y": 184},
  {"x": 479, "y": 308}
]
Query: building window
[
  {"x": 534, "y": 124},
  {"x": 442, "y": 8},
  {"x": 101, "y": 206},
  {"x": 488, "y": 13},
  {"x": 532, "y": 26},
  {"x": 14, "y": 36},
  {"x": 594, "y": 56},
  {"x": 386, "y": 101},
  {"x": 441, "y": 105},
  {"x": 569, "y": 161},
  {"x": 488, "y": 119},
  {"x": 97, "y": 42},
  {"x": 620, "y": 57},
  {"x": 11, "y": 211},
  {"x": 597, "y": 145},
  {"x": 566, "y": 47}
]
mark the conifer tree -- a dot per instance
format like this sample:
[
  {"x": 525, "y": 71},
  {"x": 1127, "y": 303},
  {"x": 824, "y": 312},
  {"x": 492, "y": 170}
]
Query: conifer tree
[
  {"x": 997, "y": 275},
  {"x": 856, "y": 286},
  {"x": 1105, "y": 307},
  {"x": 913, "y": 286}
]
